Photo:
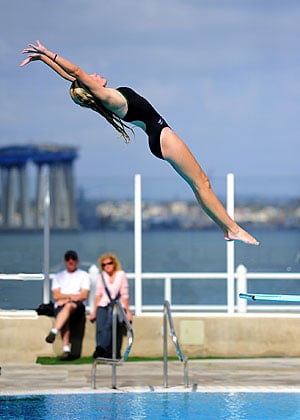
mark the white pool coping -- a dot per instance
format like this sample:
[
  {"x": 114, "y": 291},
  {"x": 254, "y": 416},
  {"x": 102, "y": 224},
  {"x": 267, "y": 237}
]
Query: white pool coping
[{"x": 151, "y": 389}]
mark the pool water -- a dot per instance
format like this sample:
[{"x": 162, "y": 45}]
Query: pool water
[{"x": 156, "y": 406}]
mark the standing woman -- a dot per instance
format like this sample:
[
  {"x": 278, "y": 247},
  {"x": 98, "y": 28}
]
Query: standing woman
[
  {"x": 123, "y": 104},
  {"x": 116, "y": 282}
]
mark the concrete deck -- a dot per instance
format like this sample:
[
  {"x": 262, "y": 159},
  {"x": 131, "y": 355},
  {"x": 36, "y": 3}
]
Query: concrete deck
[{"x": 222, "y": 375}]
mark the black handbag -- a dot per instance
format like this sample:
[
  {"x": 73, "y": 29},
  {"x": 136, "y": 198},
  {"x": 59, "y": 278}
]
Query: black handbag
[{"x": 46, "y": 309}]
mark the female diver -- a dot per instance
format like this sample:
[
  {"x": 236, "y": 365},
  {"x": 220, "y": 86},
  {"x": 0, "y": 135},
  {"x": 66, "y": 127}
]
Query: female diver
[{"x": 122, "y": 105}]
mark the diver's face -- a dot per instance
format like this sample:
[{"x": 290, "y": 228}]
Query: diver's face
[{"x": 99, "y": 79}]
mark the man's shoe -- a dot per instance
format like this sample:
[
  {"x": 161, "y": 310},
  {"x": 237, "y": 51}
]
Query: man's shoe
[{"x": 50, "y": 337}]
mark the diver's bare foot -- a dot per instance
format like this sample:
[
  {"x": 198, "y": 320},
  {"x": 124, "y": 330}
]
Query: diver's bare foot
[{"x": 241, "y": 235}]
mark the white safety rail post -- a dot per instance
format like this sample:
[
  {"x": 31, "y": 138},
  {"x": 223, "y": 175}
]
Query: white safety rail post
[
  {"x": 230, "y": 247},
  {"x": 168, "y": 289},
  {"x": 94, "y": 274},
  {"x": 138, "y": 243},
  {"x": 46, "y": 285},
  {"x": 241, "y": 273}
]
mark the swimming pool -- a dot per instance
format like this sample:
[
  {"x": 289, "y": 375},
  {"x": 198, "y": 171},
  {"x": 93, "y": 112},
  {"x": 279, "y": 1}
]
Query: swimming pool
[{"x": 153, "y": 405}]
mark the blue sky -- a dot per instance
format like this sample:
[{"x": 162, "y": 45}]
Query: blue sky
[{"x": 223, "y": 73}]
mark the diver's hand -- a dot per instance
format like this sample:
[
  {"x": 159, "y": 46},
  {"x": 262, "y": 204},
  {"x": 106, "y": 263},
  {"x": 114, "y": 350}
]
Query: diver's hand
[
  {"x": 38, "y": 48},
  {"x": 31, "y": 57}
]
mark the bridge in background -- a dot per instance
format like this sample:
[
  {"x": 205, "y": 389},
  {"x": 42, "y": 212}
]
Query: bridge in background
[{"x": 18, "y": 210}]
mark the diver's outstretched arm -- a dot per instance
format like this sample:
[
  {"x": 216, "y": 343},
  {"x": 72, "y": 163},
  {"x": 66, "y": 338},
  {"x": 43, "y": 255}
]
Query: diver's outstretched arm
[
  {"x": 52, "y": 64},
  {"x": 70, "y": 71}
]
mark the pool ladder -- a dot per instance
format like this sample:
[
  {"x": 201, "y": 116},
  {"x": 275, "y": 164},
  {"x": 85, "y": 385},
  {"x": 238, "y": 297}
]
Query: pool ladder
[
  {"x": 183, "y": 359},
  {"x": 114, "y": 362}
]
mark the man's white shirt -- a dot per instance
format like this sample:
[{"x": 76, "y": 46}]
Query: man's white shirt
[{"x": 71, "y": 283}]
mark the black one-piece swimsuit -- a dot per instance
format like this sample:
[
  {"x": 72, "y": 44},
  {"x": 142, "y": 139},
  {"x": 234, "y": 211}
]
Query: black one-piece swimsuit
[{"x": 139, "y": 109}]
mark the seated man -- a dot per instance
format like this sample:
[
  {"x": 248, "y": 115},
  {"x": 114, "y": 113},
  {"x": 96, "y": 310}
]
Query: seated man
[{"x": 70, "y": 289}]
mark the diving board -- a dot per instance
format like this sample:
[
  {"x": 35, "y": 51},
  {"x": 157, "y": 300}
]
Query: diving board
[{"x": 270, "y": 297}]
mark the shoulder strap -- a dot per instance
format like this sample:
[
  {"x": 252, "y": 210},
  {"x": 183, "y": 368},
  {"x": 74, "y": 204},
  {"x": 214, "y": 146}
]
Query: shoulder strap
[{"x": 107, "y": 291}]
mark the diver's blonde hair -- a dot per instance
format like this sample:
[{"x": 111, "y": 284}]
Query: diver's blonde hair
[{"x": 83, "y": 98}]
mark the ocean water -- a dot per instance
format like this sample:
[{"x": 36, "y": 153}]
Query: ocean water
[{"x": 163, "y": 251}]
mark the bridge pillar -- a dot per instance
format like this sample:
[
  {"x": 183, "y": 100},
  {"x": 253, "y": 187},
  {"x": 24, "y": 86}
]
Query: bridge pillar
[{"x": 17, "y": 208}]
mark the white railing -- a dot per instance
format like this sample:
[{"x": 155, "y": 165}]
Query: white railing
[
  {"x": 241, "y": 277},
  {"x": 236, "y": 280}
]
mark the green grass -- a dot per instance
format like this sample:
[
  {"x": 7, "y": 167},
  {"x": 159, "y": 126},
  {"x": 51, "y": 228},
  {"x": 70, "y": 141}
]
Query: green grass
[
  {"x": 89, "y": 360},
  {"x": 57, "y": 361}
]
